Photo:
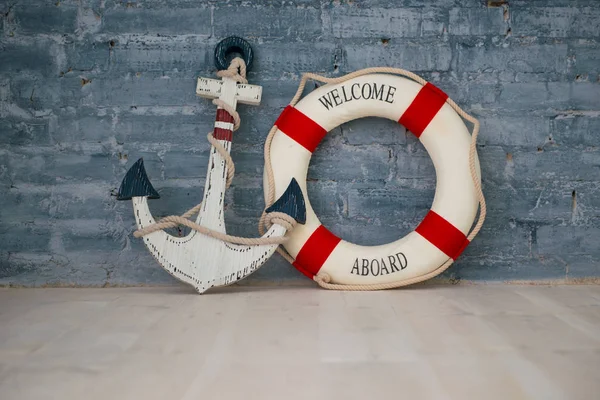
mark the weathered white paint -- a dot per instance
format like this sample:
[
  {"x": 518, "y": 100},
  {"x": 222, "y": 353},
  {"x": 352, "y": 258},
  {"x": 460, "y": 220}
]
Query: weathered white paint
[
  {"x": 197, "y": 259},
  {"x": 245, "y": 93},
  {"x": 200, "y": 260}
]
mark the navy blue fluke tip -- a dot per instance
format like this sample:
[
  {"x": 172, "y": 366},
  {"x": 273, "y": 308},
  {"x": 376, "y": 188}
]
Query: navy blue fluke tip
[
  {"x": 136, "y": 183},
  {"x": 291, "y": 203}
]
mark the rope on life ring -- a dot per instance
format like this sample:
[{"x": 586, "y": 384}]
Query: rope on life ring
[{"x": 323, "y": 278}]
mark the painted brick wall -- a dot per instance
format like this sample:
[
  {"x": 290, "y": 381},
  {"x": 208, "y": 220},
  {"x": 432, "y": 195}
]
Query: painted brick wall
[{"x": 87, "y": 87}]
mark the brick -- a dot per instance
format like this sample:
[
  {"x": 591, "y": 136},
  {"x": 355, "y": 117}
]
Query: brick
[
  {"x": 563, "y": 240},
  {"x": 134, "y": 129},
  {"x": 516, "y": 130},
  {"x": 391, "y": 4},
  {"x": 373, "y": 130},
  {"x": 179, "y": 130},
  {"x": 52, "y": 168},
  {"x": 523, "y": 168},
  {"x": 256, "y": 121},
  {"x": 531, "y": 96},
  {"x": 555, "y": 3},
  {"x": 508, "y": 239},
  {"x": 19, "y": 133},
  {"x": 277, "y": 94},
  {"x": 472, "y": 94},
  {"x": 372, "y": 233},
  {"x": 90, "y": 234},
  {"x": 23, "y": 58},
  {"x": 339, "y": 163},
  {"x": 544, "y": 201},
  {"x": 248, "y": 161},
  {"x": 45, "y": 18},
  {"x": 421, "y": 56},
  {"x": 248, "y": 202},
  {"x": 586, "y": 55},
  {"x": 582, "y": 266},
  {"x": 352, "y": 22},
  {"x": 326, "y": 198},
  {"x": 586, "y": 208},
  {"x": 134, "y": 91},
  {"x": 68, "y": 91},
  {"x": 185, "y": 164},
  {"x": 576, "y": 130},
  {"x": 477, "y": 21},
  {"x": 25, "y": 236},
  {"x": 87, "y": 57},
  {"x": 274, "y": 59},
  {"x": 83, "y": 127},
  {"x": 559, "y": 95},
  {"x": 585, "y": 95},
  {"x": 389, "y": 205},
  {"x": 515, "y": 57},
  {"x": 171, "y": 56},
  {"x": 24, "y": 204},
  {"x": 507, "y": 269},
  {"x": 164, "y": 21},
  {"x": 89, "y": 18},
  {"x": 267, "y": 21},
  {"x": 556, "y": 21},
  {"x": 414, "y": 164},
  {"x": 81, "y": 201},
  {"x": 137, "y": 265},
  {"x": 91, "y": 265},
  {"x": 24, "y": 89},
  {"x": 177, "y": 199},
  {"x": 24, "y": 268}
]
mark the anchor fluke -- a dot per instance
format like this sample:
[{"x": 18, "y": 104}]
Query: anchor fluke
[
  {"x": 136, "y": 183},
  {"x": 291, "y": 203}
]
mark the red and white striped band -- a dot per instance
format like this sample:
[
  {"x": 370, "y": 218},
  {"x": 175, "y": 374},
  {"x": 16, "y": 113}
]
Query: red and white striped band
[
  {"x": 316, "y": 251},
  {"x": 442, "y": 234},
  {"x": 223, "y": 125},
  {"x": 303, "y": 130}
]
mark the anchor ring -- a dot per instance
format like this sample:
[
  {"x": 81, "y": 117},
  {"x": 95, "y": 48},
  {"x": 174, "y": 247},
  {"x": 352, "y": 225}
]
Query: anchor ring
[{"x": 229, "y": 45}]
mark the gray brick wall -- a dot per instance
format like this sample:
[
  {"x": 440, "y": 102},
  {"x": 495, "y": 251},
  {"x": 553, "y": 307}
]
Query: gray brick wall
[{"x": 87, "y": 87}]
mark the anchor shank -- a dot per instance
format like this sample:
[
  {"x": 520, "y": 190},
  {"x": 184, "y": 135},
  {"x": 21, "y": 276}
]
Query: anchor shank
[{"x": 211, "y": 214}]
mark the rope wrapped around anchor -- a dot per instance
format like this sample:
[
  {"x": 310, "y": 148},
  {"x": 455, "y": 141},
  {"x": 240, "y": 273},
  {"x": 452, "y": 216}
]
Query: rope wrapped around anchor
[{"x": 237, "y": 72}]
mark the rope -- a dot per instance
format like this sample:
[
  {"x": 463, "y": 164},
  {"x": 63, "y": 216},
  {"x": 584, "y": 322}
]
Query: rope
[
  {"x": 323, "y": 279},
  {"x": 237, "y": 72},
  {"x": 237, "y": 64}
]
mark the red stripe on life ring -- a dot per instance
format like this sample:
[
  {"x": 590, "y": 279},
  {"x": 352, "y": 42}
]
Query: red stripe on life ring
[
  {"x": 442, "y": 234},
  {"x": 316, "y": 251},
  {"x": 423, "y": 109},
  {"x": 301, "y": 128}
]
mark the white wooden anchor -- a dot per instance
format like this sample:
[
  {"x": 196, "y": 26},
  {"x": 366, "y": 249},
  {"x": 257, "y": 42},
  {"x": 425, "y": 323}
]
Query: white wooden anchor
[{"x": 198, "y": 259}]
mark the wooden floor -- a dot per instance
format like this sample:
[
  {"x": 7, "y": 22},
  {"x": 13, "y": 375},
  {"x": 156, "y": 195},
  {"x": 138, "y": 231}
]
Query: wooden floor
[{"x": 433, "y": 342}]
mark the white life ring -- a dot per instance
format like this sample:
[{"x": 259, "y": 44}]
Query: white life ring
[{"x": 426, "y": 112}]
